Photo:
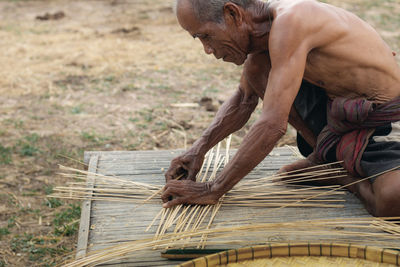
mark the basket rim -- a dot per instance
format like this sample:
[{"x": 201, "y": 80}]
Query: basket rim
[{"x": 349, "y": 250}]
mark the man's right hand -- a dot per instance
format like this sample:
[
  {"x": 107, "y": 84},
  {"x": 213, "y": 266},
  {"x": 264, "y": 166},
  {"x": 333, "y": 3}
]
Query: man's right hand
[{"x": 187, "y": 164}]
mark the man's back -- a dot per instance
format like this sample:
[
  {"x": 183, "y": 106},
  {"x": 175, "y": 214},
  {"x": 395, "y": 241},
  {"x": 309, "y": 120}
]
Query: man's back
[{"x": 346, "y": 56}]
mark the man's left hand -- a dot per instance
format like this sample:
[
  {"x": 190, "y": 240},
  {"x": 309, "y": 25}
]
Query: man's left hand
[{"x": 188, "y": 192}]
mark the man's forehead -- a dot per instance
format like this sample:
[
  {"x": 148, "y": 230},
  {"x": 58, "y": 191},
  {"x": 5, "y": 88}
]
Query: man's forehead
[
  {"x": 187, "y": 17},
  {"x": 184, "y": 8}
]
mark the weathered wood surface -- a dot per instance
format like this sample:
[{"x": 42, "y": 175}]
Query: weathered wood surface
[
  {"x": 115, "y": 222},
  {"x": 86, "y": 211}
]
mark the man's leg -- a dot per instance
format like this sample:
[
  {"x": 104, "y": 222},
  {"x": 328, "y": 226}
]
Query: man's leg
[
  {"x": 307, "y": 165},
  {"x": 381, "y": 198}
]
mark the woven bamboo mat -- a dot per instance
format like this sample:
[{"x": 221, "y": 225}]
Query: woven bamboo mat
[{"x": 105, "y": 224}]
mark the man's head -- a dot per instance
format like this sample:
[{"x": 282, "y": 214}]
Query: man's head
[
  {"x": 221, "y": 25},
  {"x": 212, "y": 10}
]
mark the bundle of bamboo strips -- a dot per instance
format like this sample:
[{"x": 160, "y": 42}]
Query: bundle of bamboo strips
[
  {"x": 349, "y": 230},
  {"x": 255, "y": 193},
  {"x": 260, "y": 192},
  {"x": 192, "y": 225},
  {"x": 263, "y": 192}
]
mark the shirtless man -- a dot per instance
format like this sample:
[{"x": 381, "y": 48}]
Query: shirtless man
[{"x": 289, "y": 47}]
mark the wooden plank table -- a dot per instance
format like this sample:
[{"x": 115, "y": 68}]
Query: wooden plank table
[{"x": 106, "y": 223}]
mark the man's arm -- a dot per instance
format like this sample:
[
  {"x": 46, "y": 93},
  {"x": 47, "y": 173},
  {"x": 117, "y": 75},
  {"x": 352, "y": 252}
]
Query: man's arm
[
  {"x": 232, "y": 116},
  {"x": 288, "y": 53},
  {"x": 288, "y": 58}
]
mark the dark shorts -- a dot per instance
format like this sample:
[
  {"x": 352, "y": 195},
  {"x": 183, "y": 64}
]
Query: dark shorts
[{"x": 379, "y": 156}]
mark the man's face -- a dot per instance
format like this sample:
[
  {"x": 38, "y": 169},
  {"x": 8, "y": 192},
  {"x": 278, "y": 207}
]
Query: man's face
[{"x": 222, "y": 40}]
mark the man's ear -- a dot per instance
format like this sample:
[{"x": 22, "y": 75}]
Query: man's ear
[{"x": 233, "y": 13}]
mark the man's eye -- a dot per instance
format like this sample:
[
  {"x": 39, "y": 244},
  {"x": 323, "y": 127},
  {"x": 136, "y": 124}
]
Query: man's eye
[{"x": 202, "y": 36}]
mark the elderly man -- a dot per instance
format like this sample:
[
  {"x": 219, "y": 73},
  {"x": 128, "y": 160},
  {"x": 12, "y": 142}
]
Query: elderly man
[{"x": 316, "y": 66}]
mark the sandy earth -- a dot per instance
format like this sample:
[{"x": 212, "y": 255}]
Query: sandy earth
[{"x": 103, "y": 77}]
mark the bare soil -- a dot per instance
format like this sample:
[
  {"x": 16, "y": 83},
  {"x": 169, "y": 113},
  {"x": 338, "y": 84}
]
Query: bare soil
[{"x": 102, "y": 75}]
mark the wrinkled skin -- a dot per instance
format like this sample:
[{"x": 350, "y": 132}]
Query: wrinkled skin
[
  {"x": 185, "y": 166},
  {"x": 281, "y": 43},
  {"x": 200, "y": 193}
]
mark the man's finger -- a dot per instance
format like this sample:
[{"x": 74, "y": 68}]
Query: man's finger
[
  {"x": 172, "y": 170},
  {"x": 192, "y": 175},
  {"x": 168, "y": 177},
  {"x": 171, "y": 189},
  {"x": 166, "y": 194},
  {"x": 174, "y": 202}
]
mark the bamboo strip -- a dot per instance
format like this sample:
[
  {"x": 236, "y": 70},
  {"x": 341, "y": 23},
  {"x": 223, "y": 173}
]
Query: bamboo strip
[{"x": 122, "y": 249}]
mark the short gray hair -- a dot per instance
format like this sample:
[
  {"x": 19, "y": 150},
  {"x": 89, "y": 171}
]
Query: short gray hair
[{"x": 212, "y": 10}]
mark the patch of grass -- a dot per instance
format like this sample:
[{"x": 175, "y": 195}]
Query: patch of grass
[
  {"x": 24, "y": 210},
  {"x": 77, "y": 109},
  {"x": 33, "y": 138},
  {"x": 5, "y": 155},
  {"x": 60, "y": 152},
  {"x": 35, "y": 247},
  {"x": 93, "y": 137},
  {"x": 28, "y": 150},
  {"x": 18, "y": 124},
  {"x": 163, "y": 87},
  {"x": 146, "y": 114},
  {"x": 161, "y": 126},
  {"x": 66, "y": 223},
  {"x": 109, "y": 78},
  {"x": 46, "y": 95},
  {"x": 53, "y": 202},
  {"x": 134, "y": 120},
  {"x": 4, "y": 231},
  {"x": 11, "y": 222},
  {"x": 130, "y": 87},
  {"x": 11, "y": 201},
  {"x": 57, "y": 107},
  {"x": 31, "y": 193},
  {"x": 27, "y": 146},
  {"x": 48, "y": 190},
  {"x": 142, "y": 125}
]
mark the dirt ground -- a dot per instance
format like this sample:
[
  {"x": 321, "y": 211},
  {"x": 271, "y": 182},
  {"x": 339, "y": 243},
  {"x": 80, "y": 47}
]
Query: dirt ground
[{"x": 102, "y": 75}]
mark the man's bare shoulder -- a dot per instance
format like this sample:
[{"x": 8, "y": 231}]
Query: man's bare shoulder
[
  {"x": 305, "y": 20},
  {"x": 343, "y": 52},
  {"x": 302, "y": 9}
]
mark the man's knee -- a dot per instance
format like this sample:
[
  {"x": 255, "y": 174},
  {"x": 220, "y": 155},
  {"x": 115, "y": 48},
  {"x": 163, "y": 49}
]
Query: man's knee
[{"x": 387, "y": 195}]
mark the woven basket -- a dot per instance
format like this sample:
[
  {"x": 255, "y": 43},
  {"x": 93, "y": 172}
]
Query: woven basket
[{"x": 360, "y": 255}]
